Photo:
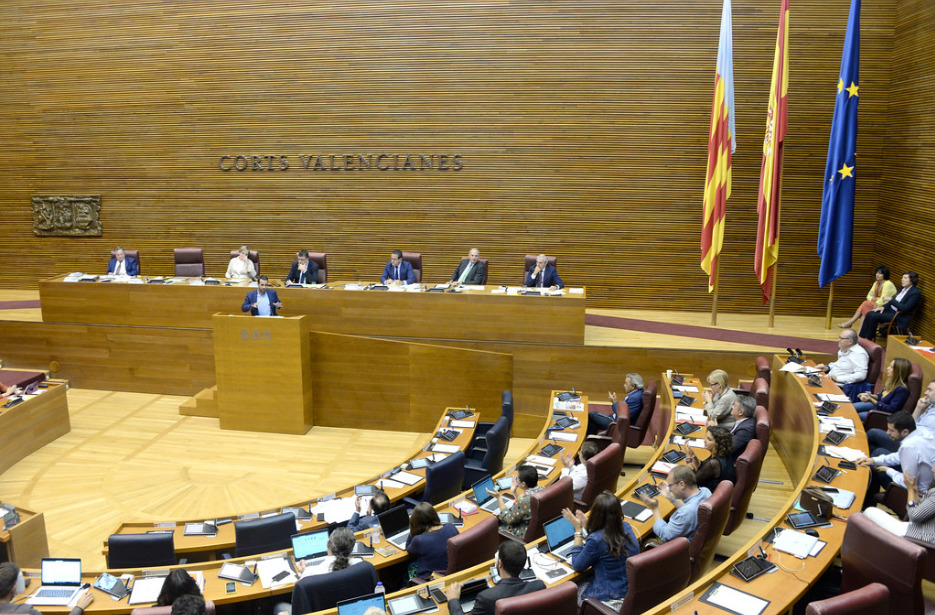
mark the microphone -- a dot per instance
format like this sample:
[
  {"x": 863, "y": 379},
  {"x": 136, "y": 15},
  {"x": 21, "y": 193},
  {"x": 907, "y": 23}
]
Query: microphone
[
  {"x": 791, "y": 352},
  {"x": 798, "y": 352}
]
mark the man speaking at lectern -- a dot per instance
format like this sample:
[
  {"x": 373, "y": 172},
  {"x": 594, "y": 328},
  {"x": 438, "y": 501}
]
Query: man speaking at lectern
[{"x": 263, "y": 301}]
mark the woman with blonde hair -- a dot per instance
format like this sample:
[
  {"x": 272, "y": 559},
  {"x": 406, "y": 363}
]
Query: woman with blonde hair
[
  {"x": 719, "y": 400},
  {"x": 895, "y": 391}
]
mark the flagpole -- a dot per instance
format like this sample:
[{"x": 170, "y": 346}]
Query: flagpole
[
  {"x": 717, "y": 284},
  {"x": 830, "y": 301},
  {"x": 772, "y": 296}
]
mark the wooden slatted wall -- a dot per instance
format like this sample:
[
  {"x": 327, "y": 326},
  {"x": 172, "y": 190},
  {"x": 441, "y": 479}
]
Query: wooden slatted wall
[
  {"x": 582, "y": 127},
  {"x": 905, "y": 232}
]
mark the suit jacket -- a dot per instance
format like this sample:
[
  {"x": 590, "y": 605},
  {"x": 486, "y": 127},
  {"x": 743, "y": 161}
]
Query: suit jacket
[
  {"x": 744, "y": 432},
  {"x": 487, "y": 599},
  {"x": 475, "y": 277},
  {"x": 906, "y": 306},
  {"x": 549, "y": 277},
  {"x": 133, "y": 268},
  {"x": 309, "y": 277},
  {"x": 252, "y": 297},
  {"x": 405, "y": 273},
  {"x": 634, "y": 401}
]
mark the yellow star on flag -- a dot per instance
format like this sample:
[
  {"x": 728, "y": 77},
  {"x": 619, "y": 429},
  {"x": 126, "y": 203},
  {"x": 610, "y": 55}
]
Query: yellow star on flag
[
  {"x": 845, "y": 171},
  {"x": 851, "y": 91},
  {"x": 840, "y": 85}
]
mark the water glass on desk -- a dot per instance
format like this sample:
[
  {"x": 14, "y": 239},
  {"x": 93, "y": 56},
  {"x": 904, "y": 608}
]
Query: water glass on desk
[{"x": 376, "y": 534}]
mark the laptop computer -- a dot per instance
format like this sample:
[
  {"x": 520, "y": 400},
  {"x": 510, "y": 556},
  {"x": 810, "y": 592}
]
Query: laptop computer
[
  {"x": 484, "y": 500},
  {"x": 61, "y": 582},
  {"x": 395, "y": 525},
  {"x": 310, "y": 545},
  {"x": 469, "y": 592},
  {"x": 359, "y": 605},
  {"x": 560, "y": 536}
]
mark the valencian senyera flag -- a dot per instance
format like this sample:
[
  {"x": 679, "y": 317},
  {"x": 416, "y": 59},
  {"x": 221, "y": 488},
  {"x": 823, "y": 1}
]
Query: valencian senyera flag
[
  {"x": 721, "y": 144},
  {"x": 767, "y": 206},
  {"x": 836, "y": 229}
]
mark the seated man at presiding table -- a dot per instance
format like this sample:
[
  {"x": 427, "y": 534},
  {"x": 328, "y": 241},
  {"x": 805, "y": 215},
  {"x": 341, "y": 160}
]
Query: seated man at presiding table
[
  {"x": 398, "y": 271},
  {"x": 682, "y": 490},
  {"x": 303, "y": 271},
  {"x": 263, "y": 301},
  {"x": 470, "y": 270},
  {"x": 511, "y": 559},
  {"x": 543, "y": 275},
  {"x": 850, "y": 370},
  {"x": 121, "y": 264},
  {"x": 12, "y": 584}
]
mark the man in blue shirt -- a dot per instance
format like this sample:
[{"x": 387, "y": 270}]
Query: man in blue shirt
[
  {"x": 923, "y": 415},
  {"x": 397, "y": 270},
  {"x": 915, "y": 456},
  {"x": 263, "y": 301},
  {"x": 633, "y": 385},
  {"x": 682, "y": 490}
]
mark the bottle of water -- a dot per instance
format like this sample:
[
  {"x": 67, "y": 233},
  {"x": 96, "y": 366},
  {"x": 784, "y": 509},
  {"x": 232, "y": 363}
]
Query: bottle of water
[{"x": 379, "y": 588}]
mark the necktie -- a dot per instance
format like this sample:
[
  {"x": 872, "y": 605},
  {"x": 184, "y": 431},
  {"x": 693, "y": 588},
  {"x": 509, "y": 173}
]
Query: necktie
[
  {"x": 397, "y": 272},
  {"x": 118, "y": 270},
  {"x": 465, "y": 273}
]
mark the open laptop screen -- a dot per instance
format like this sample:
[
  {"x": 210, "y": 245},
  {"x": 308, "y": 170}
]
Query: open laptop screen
[
  {"x": 310, "y": 544},
  {"x": 394, "y": 521},
  {"x": 358, "y": 605},
  {"x": 480, "y": 490},
  {"x": 61, "y": 571},
  {"x": 558, "y": 531}
]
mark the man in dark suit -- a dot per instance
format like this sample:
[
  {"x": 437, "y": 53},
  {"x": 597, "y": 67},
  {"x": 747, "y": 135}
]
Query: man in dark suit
[
  {"x": 397, "y": 270},
  {"x": 511, "y": 559},
  {"x": 633, "y": 385},
  {"x": 543, "y": 275},
  {"x": 303, "y": 270},
  {"x": 121, "y": 264},
  {"x": 470, "y": 270},
  {"x": 263, "y": 301},
  {"x": 904, "y": 302},
  {"x": 744, "y": 428}
]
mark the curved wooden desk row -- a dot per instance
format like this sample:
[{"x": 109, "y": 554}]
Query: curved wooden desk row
[
  {"x": 484, "y": 314},
  {"x": 27, "y": 427},
  {"x": 795, "y": 424},
  {"x": 197, "y": 548},
  {"x": 214, "y": 587},
  {"x": 896, "y": 346}
]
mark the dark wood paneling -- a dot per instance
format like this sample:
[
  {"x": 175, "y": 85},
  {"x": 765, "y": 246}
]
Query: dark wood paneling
[{"x": 582, "y": 126}]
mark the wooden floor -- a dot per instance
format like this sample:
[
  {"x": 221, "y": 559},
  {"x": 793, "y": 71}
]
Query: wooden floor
[{"x": 131, "y": 456}]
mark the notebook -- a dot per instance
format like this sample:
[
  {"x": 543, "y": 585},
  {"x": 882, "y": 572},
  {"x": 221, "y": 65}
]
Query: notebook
[
  {"x": 395, "y": 525},
  {"x": 61, "y": 582},
  {"x": 560, "y": 536}
]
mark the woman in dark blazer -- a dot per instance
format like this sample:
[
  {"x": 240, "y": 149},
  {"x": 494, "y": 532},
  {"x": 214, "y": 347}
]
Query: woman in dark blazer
[{"x": 904, "y": 302}]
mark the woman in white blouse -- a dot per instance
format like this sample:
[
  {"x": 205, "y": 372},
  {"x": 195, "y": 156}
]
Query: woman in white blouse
[{"x": 241, "y": 266}]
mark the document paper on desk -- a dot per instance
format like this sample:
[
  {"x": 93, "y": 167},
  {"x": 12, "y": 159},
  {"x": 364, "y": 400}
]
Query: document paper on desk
[
  {"x": 462, "y": 424},
  {"x": 445, "y": 448},
  {"x": 843, "y": 452},
  {"x": 733, "y": 600},
  {"x": 564, "y": 436},
  {"x": 269, "y": 568}
]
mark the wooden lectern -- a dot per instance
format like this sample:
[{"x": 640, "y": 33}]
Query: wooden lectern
[{"x": 264, "y": 373}]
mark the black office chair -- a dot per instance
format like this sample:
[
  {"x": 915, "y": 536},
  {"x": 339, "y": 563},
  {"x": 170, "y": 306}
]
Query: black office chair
[
  {"x": 263, "y": 535},
  {"x": 442, "y": 481},
  {"x": 480, "y": 431},
  {"x": 140, "y": 550},
  {"x": 324, "y": 591},
  {"x": 498, "y": 440}
]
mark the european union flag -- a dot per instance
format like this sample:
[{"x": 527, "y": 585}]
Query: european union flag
[{"x": 836, "y": 230}]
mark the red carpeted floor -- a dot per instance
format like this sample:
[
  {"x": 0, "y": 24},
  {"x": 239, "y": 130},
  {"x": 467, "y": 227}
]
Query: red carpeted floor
[{"x": 18, "y": 305}]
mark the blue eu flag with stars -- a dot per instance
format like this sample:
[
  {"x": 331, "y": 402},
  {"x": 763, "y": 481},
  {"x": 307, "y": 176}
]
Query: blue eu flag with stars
[{"x": 836, "y": 230}]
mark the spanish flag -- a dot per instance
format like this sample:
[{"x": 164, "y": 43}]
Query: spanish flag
[
  {"x": 767, "y": 206},
  {"x": 720, "y": 147}
]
